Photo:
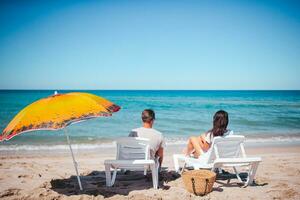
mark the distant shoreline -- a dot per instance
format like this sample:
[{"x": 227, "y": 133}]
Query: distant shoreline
[{"x": 175, "y": 90}]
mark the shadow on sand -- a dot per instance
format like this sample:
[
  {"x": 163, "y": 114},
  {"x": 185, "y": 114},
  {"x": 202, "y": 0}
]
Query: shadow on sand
[
  {"x": 94, "y": 183},
  {"x": 224, "y": 180}
]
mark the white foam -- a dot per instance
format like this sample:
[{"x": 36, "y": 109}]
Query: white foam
[
  {"x": 169, "y": 142},
  {"x": 249, "y": 140},
  {"x": 284, "y": 139},
  {"x": 55, "y": 147}
]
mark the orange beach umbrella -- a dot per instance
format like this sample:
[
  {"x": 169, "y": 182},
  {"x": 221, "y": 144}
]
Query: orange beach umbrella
[{"x": 58, "y": 111}]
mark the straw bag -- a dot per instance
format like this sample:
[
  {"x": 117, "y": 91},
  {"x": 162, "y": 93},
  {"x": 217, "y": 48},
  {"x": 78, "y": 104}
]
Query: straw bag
[{"x": 199, "y": 182}]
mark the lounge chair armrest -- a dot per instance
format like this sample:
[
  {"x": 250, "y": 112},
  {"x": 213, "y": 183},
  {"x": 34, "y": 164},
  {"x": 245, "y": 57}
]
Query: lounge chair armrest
[
  {"x": 132, "y": 162},
  {"x": 236, "y": 161}
]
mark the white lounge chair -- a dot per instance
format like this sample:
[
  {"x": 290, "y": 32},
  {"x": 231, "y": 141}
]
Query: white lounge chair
[
  {"x": 133, "y": 153},
  {"x": 225, "y": 151}
]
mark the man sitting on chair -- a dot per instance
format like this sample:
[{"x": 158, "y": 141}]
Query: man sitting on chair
[{"x": 155, "y": 137}]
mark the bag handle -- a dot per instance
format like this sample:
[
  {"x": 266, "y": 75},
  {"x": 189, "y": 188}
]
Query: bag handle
[
  {"x": 194, "y": 188},
  {"x": 206, "y": 180},
  {"x": 193, "y": 184}
]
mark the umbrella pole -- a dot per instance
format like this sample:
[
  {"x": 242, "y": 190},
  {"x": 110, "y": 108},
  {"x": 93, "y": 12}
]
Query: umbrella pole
[{"x": 74, "y": 162}]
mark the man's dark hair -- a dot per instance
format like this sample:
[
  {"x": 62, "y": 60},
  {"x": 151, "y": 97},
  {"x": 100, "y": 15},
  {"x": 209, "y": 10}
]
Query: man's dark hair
[{"x": 148, "y": 115}]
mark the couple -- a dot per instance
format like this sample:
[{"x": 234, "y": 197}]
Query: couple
[{"x": 196, "y": 144}]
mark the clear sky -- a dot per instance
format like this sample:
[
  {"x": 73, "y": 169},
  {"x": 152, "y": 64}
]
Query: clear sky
[{"x": 150, "y": 44}]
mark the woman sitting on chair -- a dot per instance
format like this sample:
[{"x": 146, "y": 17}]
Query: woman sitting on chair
[{"x": 198, "y": 145}]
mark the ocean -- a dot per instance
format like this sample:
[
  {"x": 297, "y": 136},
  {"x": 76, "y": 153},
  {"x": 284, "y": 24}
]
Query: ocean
[{"x": 262, "y": 116}]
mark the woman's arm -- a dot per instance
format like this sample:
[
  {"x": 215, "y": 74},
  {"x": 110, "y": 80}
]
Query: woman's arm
[{"x": 205, "y": 145}]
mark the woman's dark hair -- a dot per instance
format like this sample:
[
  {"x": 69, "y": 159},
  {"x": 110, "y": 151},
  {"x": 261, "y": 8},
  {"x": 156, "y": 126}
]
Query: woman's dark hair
[
  {"x": 148, "y": 115},
  {"x": 220, "y": 123}
]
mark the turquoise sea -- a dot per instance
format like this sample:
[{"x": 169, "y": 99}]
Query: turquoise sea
[{"x": 259, "y": 115}]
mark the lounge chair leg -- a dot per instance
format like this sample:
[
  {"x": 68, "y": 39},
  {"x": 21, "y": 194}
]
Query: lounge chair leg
[
  {"x": 183, "y": 167},
  {"x": 176, "y": 163},
  {"x": 157, "y": 165},
  {"x": 154, "y": 176},
  {"x": 108, "y": 175},
  {"x": 252, "y": 173},
  {"x": 114, "y": 177},
  {"x": 237, "y": 175},
  {"x": 219, "y": 170}
]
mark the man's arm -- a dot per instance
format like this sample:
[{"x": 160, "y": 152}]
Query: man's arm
[
  {"x": 160, "y": 154},
  {"x": 160, "y": 151}
]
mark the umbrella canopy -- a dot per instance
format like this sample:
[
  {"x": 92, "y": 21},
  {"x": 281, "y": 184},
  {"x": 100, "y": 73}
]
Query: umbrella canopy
[{"x": 58, "y": 111}]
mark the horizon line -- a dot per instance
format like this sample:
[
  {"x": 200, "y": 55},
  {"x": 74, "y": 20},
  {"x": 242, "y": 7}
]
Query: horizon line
[{"x": 150, "y": 89}]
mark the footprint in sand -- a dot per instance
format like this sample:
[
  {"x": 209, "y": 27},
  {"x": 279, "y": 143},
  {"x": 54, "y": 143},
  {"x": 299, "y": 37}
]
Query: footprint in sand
[
  {"x": 289, "y": 193},
  {"x": 9, "y": 192},
  {"x": 25, "y": 176}
]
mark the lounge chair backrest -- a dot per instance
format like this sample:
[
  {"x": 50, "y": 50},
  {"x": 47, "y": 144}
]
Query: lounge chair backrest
[
  {"x": 132, "y": 148},
  {"x": 229, "y": 146}
]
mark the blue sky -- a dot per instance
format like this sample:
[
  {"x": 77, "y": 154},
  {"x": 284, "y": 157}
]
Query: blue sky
[{"x": 150, "y": 44}]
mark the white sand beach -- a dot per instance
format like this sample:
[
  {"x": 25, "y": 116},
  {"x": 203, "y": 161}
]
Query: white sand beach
[{"x": 50, "y": 175}]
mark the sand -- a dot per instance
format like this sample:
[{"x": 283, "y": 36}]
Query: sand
[{"x": 50, "y": 175}]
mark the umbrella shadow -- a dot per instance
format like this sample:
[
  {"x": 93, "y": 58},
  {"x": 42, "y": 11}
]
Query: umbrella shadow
[{"x": 94, "y": 183}]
